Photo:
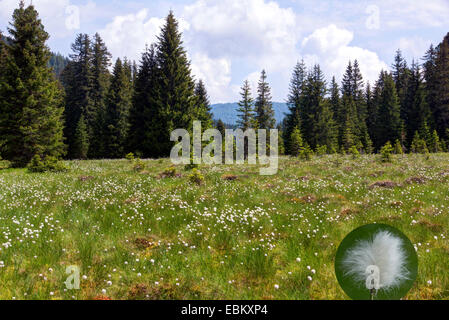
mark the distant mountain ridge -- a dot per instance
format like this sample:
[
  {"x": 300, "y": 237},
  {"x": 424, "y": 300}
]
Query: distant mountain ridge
[{"x": 227, "y": 112}]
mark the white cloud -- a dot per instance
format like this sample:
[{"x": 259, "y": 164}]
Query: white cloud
[
  {"x": 127, "y": 35},
  {"x": 216, "y": 73},
  {"x": 261, "y": 31},
  {"x": 330, "y": 47},
  {"x": 412, "y": 14},
  {"x": 54, "y": 14},
  {"x": 414, "y": 48}
]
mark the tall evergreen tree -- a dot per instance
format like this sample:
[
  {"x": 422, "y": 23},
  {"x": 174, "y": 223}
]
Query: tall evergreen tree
[
  {"x": 294, "y": 101},
  {"x": 221, "y": 127},
  {"x": 81, "y": 140},
  {"x": 246, "y": 108},
  {"x": 176, "y": 103},
  {"x": 30, "y": 99},
  {"x": 264, "y": 106},
  {"x": 77, "y": 80},
  {"x": 144, "y": 113},
  {"x": 401, "y": 76},
  {"x": 118, "y": 106},
  {"x": 100, "y": 86},
  {"x": 203, "y": 106},
  {"x": 417, "y": 112},
  {"x": 441, "y": 108},
  {"x": 390, "y": 125}
]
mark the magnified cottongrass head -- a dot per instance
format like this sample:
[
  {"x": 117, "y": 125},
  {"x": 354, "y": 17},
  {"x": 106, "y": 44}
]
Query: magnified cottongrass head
[{"x": 385, "y": 251}]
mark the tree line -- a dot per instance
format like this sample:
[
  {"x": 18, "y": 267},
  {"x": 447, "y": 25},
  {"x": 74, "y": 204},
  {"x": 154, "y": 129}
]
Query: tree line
[
  {"x": 79, "y": 109},
  {"x": 407, "y": 107}
]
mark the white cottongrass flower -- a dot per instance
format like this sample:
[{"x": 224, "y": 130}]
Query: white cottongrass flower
[{"x": 385, "y": 251}]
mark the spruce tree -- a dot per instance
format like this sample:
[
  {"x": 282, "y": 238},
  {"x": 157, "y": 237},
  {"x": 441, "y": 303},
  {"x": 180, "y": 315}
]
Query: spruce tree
[
  {"x": 296, "y": 142},
  {"x": 430, "y": 77},
  {"x": 264, "y": 106},
  {"x": 294, "y": 102},
  {"x": 30, "y": 99},
  {"x": 401, "y": 76},
  {"x": 203, "y": 106},
  {"x": 417, "y": 111},
  {"x": 221, "y": 127},
  {"x": 77, "y": 80},
  {"x": 390, "y": 125},
  {"x": 81, "y": 140},
  {"x": 441, "y": 108},
  {"x": 144, "y": 113},
  {"x": 325, "y": 129},
  {"x": 117, "y": 114},
  {"x": 246, "y": 108},
  {"x": 100, "y": 86},
  {"x": 176, "y": 102},
  {"x": 315, "y": 91}
]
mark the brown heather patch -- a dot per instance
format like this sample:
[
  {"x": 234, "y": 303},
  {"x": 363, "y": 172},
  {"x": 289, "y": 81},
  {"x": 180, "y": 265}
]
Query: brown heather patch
[
  {"x": 132, "y": 200},
  {"x": 377, "y": 174},
  {"x": 85, "y": 178},
  {"x": 229, "y": 177},
  {"x": 138, "y": 292},
  {"x": 345, "y": 212},
  {"x": 384, "y": 184},
  {"x": 434, "y": 227},
  {"x": 309, "y": 198},
  {"x": 396, "y": 204},
  {"x": 146, "y": 243},
  {"x": 416, "y": 180}
]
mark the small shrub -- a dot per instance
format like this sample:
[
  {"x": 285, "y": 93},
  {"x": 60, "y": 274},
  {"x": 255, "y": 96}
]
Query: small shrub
[
  {"x": 169, "y": 172},
  {"x": 354, "y": 152},
  {"x": 398, "y": 147},
  {"x": 196, "y": 177},
  {"x": 139, "y": 165},
  {"x": 49, "y": 164},
  {"x": 130, "y": 156},
  {"x": 190, "y": 167},
  {"x": 386, "y": 152},
  {"x": 306, "y": 153},
  {"x": 321, "y": 150}
]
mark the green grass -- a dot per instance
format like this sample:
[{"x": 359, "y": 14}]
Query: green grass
[{"x": 143, "y": 236}]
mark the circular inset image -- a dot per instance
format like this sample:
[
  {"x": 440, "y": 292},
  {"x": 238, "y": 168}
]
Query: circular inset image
[{"x": 376, "y": 262}]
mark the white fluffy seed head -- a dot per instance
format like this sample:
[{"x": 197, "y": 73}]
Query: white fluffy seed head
[{"x": 386, "y": 252}]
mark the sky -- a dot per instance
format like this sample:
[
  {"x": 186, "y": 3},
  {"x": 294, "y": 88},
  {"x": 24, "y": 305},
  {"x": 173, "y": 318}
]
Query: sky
[{"x": 229, "y": 41}]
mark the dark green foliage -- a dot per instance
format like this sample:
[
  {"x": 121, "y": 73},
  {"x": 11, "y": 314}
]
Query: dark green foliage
[
  {"x": 144, "y": 113},
  {"x": 264, "y": 106},
  {"x": 417, "y": 111},
  {"x": 58, "y": 63},
  {"x": 295, "y": 100},
  {"x": 221, "y": 127},
  {"x": 117, "y": 111},
  {"x": 77, "y": 80},
  {"x": 30, "y": 97},
  {"x": 100, "y": 86},
  {"x": 246, "y": 109},
  {"x": 176, "y": 102},
  {"x": 49, "y": 164},
  {"x": 202, "y": 108},
  {"x": 81, "y": 140},
  {"x": 386, "y": 152},
  {"x": 419, "y": 145},
  {"x": 441, "y": 87},
  {"x": 390, "y": 125},
  {"x": 296, "y": 142}
]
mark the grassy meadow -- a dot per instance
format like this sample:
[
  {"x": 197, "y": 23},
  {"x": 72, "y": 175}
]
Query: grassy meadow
[{"x": 238, "y": 235}]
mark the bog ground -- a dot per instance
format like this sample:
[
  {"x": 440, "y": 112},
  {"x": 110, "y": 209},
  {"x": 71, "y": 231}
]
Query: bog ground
[{"x": 238, "y": 235}]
